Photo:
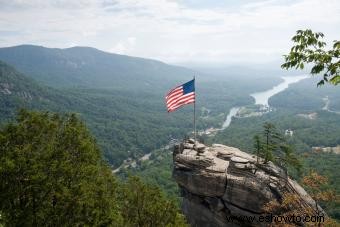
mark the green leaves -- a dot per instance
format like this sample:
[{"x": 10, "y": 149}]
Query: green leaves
[
  {"x": 335, "y": 80},
  {"x": 309, "y": 48},
  {"x": 145, "y": 205},
  {"x": 336, "y": 45},
  {"x": 272, "y": 146},
  {"x": 52, "y": 174}
]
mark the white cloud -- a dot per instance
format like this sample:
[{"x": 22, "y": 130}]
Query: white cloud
[
  {"x": 168, "y": 30},
  {"x": 124, "y": 47}
]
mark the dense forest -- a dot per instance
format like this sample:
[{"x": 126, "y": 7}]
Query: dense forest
[
  {"x": 52, "y": 174},
  {"x": 118, "y": 115}
]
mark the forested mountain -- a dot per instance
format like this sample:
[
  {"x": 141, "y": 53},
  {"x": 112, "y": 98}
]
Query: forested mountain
[
  {"x": 120, "y": 97},
  {"x": 119, "y": 119},
  {"x": 126, "y": 123},
  {"x": 19, "y": 91},
  {"x": 89, "y": 67}
]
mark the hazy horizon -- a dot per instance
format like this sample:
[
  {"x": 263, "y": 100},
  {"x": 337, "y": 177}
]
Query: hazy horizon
[{"x": 177, "y": 31}]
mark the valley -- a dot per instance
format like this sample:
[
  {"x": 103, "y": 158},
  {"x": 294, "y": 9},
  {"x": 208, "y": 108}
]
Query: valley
[
  {"x": 130, "y": 122},
  {"x": 260, "y": 106},
  {"x": 171, "y": 113}
]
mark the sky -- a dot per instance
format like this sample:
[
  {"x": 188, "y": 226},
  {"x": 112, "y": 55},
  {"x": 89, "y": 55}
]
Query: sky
[{"x": 173, "y": 31}]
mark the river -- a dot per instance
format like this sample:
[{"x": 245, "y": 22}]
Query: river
[
  {"x": 233, "y": 111},
  {"x": 327, "y": 103},
  {"x": 261, "y": 98}
]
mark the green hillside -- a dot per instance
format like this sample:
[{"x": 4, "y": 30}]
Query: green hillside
[
  {"x": 19, "y": 91},
  {"x": 126, "y": 123},
  {"x": 120, "y": 97},
  {"x": 118, "y": 119},
  {"x": 89, "y": 67}
]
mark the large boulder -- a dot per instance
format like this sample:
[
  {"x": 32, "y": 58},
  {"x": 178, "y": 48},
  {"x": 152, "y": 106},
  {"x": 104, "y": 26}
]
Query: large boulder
[{"x": 220, "y": 182}]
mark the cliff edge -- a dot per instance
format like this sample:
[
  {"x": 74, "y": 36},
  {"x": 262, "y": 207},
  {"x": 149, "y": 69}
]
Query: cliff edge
[{"x": 220, "y": 182}]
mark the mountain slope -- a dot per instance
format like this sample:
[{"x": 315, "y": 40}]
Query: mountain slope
[
  {"x": 126, "y": 124},
  {"x": 89, "y": 67},
  {"x": 18, "y": 91},
  {"x": 94, "y": 69},
  {"x": 122, "y": 98}
]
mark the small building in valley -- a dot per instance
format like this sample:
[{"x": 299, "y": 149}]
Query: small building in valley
[{"x": 289, "y": 132}]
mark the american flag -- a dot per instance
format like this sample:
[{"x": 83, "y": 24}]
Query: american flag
[{"x": 180, "y": 96}]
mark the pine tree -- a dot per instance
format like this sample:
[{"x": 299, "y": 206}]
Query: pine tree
[
  {"x": 258, "y": 147},
  {"x": 273, "y": 147},
  {"x": 270, "y": 144}
]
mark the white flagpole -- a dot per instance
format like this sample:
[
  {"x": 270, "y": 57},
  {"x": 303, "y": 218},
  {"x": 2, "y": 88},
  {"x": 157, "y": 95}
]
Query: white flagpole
[{"x": 195, "y": 114}]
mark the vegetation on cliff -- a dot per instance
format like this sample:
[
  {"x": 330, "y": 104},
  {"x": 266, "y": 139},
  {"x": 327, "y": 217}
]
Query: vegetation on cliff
[
  {"x": 272, "y": 146},
  {"x": 319, "y": 189}
]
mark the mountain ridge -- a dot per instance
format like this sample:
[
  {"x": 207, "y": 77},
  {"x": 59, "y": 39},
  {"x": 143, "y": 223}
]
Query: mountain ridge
[{"x": 90, "y": 67}]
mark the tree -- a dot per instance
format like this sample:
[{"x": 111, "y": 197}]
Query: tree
[
  {"x": 309, "y": 48},
  {"x": 271, "y": 137},
  {"x": 273, "y": 147},
  {"x": 52, "y": 174},
  {"x": 258, "y": 147},
  {"x": 318, "y": 188},
  {"x": 291, "y": 204},
  {"x": 289, "y": 158},
  {"x": 145, "y": 205}
]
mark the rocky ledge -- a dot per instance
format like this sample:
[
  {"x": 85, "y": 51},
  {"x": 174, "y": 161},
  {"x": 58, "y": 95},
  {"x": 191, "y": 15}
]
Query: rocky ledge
[{"x": 219, "y": 182}]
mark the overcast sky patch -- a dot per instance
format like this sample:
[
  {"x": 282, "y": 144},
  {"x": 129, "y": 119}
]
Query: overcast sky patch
[{"x": 198, "y": 31}]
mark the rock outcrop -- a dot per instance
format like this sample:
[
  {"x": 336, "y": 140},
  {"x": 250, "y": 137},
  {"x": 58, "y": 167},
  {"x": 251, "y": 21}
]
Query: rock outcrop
[{"x": 220, "y": 182}]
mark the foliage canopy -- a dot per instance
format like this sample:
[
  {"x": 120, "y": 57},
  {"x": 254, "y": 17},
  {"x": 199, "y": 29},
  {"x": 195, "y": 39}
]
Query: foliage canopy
[
  {"x": 310, "y": 48},
  {"x": 52, "y": 174}
]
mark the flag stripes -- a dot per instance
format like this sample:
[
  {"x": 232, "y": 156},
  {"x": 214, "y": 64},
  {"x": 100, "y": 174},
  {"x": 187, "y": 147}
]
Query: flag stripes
[{"x": 179, "y": 96}]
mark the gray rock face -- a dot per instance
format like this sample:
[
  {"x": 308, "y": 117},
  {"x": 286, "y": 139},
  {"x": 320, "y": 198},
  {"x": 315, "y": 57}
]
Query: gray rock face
[{"x": 219, "y": 182}]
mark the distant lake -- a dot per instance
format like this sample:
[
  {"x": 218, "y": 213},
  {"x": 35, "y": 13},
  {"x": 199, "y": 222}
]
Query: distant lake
[{"x": 262, "y": 98}]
